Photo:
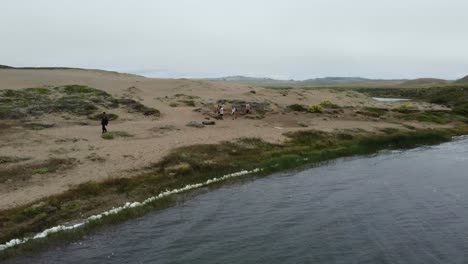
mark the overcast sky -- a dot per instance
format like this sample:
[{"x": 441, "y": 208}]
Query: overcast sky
[{"x": 268, "y": 38}]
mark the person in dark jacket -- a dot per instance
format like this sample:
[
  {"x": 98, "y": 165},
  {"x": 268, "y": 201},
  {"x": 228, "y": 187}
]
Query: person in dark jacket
[{"x": 104, "y": 122}]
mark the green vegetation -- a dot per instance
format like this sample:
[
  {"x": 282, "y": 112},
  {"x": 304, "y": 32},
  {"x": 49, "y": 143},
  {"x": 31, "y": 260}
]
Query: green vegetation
[
  {"x": 39, "y": 90},
  {"x": 41, "y": 171},
  {"x": 98, "y": 116},
  {"x": 453, "y": 95},
  {"x": 189, "y": 97},
  {"x": 114, "y": 134},
  {"x": 436, "y": 117},
  {"x": 73, "y": 99},
  {"x": 107, "y": 136},
  {"x": 135, "y": 106},
  {"x": 194, "y": 164},
  {"x": 328, "y": 104},
  {"x": 315, "y": 109},
  {"x": 373, "y": 111},
  {"x": 297, "y": 108},
  {"x": 24, "y": 172},
  {"x": 463, "y": 80},
  {"x": 405, "y": 108},
  {"x": 8, "y": 159},
  {"x": 37, "y": 126},
  {"x": 379, "y": 111},
  {"x": 188, "y": 102}
]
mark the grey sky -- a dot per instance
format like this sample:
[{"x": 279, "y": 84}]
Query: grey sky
[{"x": 200, "y": 38}]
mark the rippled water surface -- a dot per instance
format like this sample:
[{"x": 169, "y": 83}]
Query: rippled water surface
[{"x": 396, "y": 207}]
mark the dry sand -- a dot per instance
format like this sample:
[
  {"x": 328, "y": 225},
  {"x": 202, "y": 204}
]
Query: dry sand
[{"x": 98, "y": 159}]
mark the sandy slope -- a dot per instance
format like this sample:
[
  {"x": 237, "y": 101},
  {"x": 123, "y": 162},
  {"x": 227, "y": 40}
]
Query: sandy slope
[{"x": 124, "y": 156}]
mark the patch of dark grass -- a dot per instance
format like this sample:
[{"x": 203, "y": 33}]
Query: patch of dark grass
[
  {"x": 43, "y": 170},
  {"x": 16, "y": 104},
  {"x": 435, "y": 117},
  {"x": 328, "y": 104},
  {"x": 107, "y": 136},
  {"x": 24, "y": 172},
  {"x": 135, "y": 106},
  {"x": 39, "y": 90},
  {"x": 38, "y": 126},
  {"x": 98, "y": 116},
  {"x": 461, "y": 109},
  {"x": 75, "y": 105},
  {"x": 376, "y": 111},
  {"x": 114, "y": 134},
  {"x": 84, "y": 91},
  {"x": 297, "y": 108},
  {"x": 74, "y": 99},
  {"x": 188, "y": 102},
  {"x": 9, "y": 159},
  {"x": 306, "y": 138},
  {"x": 189, "y": 97}
]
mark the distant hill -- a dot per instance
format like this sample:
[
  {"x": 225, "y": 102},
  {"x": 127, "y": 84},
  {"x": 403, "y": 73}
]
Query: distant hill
[
  {"x": 38, "y": 68},
  {"x": 424, "y": 82},
  {"x": 317, "y": 82},
  {"x": 5, "y": 67},
  {"x": 463, "y": 80}
]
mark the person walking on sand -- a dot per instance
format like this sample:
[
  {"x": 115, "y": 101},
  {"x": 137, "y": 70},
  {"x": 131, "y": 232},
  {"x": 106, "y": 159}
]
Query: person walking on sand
[
  {"x": 221, "y": 112},
  {"x": 234, "y": 112},
  {"x": 247, "y": 108},
  {"x": 104, "y": 122},
  {"x": 217, "y": 111}
]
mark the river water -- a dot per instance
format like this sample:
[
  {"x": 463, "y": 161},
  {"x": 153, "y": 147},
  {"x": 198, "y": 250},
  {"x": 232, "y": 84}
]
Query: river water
[{"x": 395, "y": 207}]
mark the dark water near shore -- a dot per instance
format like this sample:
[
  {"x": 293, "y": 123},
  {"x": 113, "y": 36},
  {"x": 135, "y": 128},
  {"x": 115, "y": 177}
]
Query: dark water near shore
[{"x": 396, "y": 207}]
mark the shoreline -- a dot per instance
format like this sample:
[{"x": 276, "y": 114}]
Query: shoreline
[{"x": 305, "y": 148}]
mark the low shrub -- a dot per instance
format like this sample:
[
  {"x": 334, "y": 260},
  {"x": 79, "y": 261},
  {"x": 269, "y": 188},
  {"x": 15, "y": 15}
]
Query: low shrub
[
  {"x": 110, "y": 116},
  {"x": 315, "y": 109},
  {"x": 114, "y": 134},
  {"x": 135, "y": 106},
  {"x": 297, "y": 108},
  {"x": 107, "y": 136},
  {"x": 328, "y": 104},
  {"x": 188, "y": 102}
]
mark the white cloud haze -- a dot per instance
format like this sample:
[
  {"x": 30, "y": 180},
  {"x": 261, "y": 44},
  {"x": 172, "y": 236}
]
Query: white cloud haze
[{"x": 211, "y": 38}]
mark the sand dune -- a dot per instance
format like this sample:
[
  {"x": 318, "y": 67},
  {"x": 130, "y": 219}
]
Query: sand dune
[{"x": 153, "y": 137}]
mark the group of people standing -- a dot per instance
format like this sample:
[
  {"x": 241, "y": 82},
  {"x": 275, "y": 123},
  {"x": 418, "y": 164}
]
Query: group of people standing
[
  {"x": 219, "y": 113},
  {"x": 234, "y": 113}
]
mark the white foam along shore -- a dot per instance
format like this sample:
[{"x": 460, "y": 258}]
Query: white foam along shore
[
  {"x": 45, "y": 233},
  {"x": 382, "y": 99}
]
